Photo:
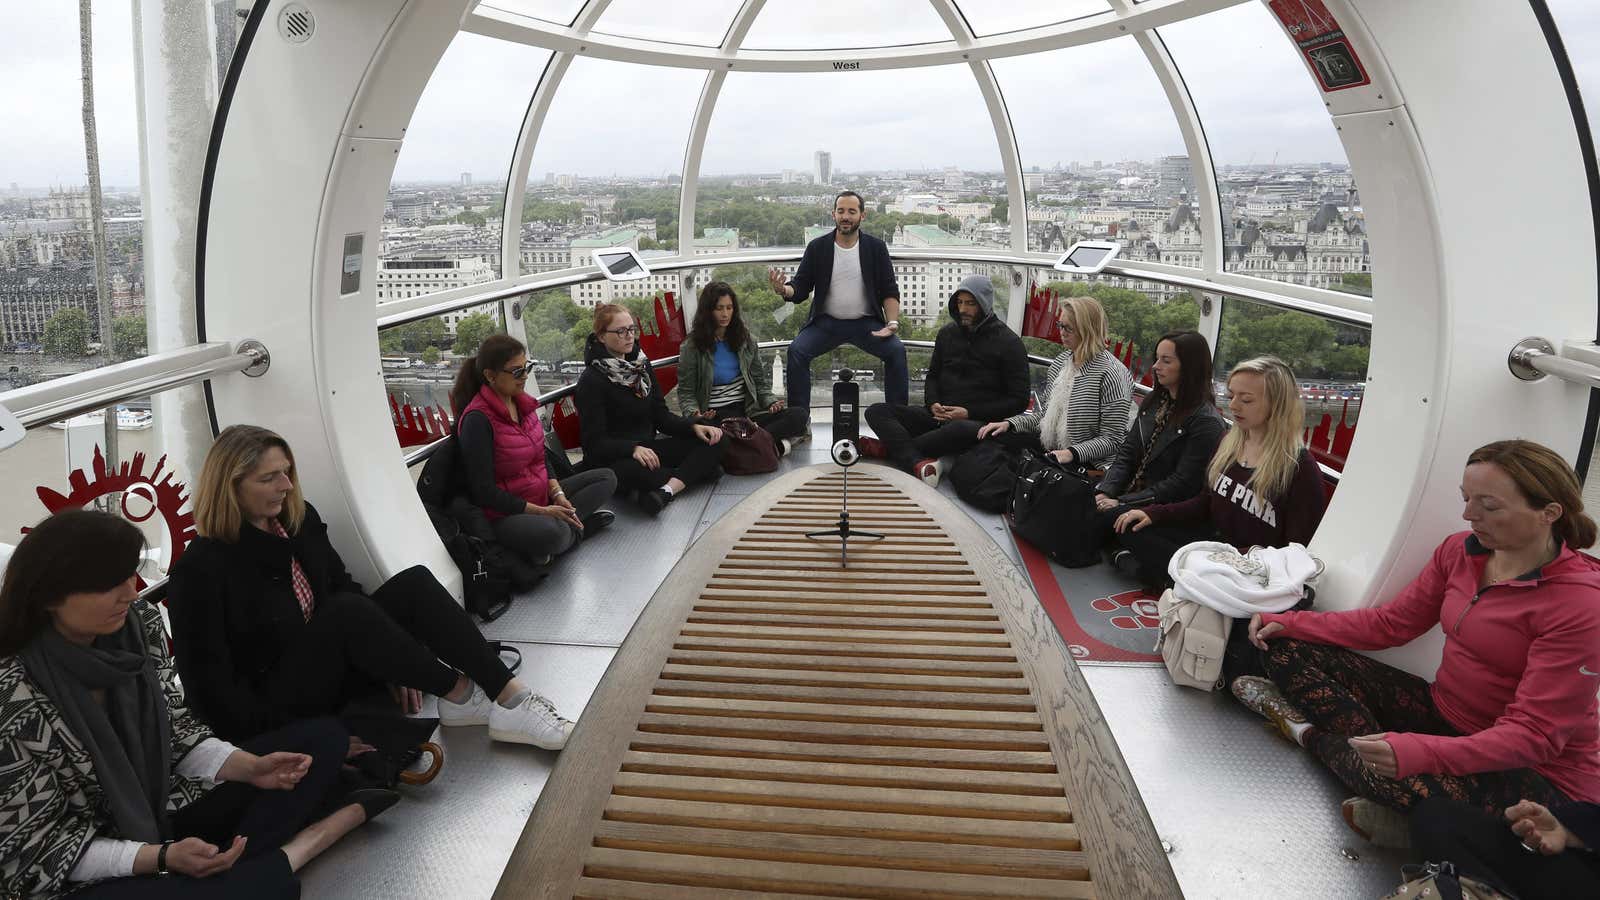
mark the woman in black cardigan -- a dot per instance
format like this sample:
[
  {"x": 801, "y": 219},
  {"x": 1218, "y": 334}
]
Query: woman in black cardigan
[
  {"x": 1163, "y": 457},
  {"x": 620, "y": 411},
  {"x": 269, "y": 627}
]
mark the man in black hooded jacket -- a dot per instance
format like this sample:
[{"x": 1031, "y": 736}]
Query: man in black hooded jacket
[{"x": 979, "y": 373}]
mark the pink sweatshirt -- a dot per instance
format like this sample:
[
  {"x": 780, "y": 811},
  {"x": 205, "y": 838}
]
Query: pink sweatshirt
[{"x": 1520, "y": 671}]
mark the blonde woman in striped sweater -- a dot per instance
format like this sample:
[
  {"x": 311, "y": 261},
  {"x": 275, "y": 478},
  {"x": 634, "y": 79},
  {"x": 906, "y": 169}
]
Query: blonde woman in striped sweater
[{"x": 1083, "y": 413}]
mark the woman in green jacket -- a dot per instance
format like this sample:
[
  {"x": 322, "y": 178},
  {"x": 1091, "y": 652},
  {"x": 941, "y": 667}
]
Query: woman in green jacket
[{"x": 721, "y": 374}]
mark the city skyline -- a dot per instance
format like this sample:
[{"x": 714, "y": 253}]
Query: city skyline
[{"x": 468, "y": 117}]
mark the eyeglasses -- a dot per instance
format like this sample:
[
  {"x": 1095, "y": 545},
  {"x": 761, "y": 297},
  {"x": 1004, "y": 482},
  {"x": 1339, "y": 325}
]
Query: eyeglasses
[
  {"x": 520, "y": 372},
  {"x": 630, "y": 331}
]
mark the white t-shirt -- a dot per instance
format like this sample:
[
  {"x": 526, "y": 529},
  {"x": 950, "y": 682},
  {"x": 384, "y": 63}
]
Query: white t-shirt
[{"x": 847, "y": 293}]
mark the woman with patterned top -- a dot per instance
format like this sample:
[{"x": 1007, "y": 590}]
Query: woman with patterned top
[
  {"x": 105, "y": 779},
  {"x": 1082, "y": 415}
]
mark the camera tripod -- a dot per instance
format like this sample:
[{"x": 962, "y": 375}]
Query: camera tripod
[{"x": 843, "y": 531}]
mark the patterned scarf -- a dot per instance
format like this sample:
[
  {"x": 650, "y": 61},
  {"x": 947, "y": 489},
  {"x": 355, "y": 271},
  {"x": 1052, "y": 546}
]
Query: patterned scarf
[
  {"x": 630, "y": 375},
  {"x": 1162, "y": 415},
  {"x": 297, "y": 575}
]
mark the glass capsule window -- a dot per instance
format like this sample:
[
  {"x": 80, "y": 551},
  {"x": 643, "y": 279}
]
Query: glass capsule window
[
  {"x": 609, "y": 180},
  {"x": 844, "y": 25},
  {"x": 442, "y": 221},
  {"x": 986, "y": 18},
  {"x": 1101, "y": 164},
  {"x": 559, "y": 12},
  {"x": 1291, "y": 210},
  {"x": 703, "y": 23}
]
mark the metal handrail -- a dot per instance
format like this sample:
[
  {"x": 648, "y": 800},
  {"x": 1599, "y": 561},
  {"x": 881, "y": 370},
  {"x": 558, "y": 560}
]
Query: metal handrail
[
  {"x": 1534, "y": 358},
  {"x": 97, "y": 389},
  {"x": 585, "y": 274}
]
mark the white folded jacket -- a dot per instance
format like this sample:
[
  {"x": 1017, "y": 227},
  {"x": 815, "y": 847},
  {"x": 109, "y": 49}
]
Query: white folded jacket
[{"x": 1267, "y": 579}]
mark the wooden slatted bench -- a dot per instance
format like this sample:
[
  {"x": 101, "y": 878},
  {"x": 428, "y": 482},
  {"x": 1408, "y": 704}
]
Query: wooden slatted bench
[{"x": 778, "y": 726}]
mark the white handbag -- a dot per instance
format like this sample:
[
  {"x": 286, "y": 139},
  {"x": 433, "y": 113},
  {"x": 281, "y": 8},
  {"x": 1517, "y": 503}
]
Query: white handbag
[{"x": 1192, "y": 640}]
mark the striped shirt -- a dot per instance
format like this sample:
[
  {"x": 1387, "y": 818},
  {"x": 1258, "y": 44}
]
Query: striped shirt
[
  {"x": 727, "y": 394},
  {"x": 1097, "y": 412}
]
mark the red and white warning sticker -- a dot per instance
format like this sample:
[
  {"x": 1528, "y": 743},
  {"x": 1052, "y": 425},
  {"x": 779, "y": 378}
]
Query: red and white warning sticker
[{"x": 1323, "y": 42}]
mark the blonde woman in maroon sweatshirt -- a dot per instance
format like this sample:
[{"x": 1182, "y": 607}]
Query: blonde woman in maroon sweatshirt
[{"x": 1511, "y": 714}]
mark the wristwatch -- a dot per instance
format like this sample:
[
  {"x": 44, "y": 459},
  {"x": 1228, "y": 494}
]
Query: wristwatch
[{"x": 161, "y": 859}]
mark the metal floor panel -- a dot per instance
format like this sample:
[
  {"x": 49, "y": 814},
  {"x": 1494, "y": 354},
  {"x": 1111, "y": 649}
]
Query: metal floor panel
[
  {"x": 451, "y": 839},
  {"x": 595, "y": 592},
  {"x": 1247, "y": 814}
]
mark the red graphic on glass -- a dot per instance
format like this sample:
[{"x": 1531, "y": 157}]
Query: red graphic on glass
[{"x": 141, "y": 496}]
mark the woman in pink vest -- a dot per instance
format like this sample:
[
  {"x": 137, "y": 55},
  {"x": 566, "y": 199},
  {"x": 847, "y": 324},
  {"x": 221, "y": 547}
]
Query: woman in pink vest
[{"x": 502, "y": 444}]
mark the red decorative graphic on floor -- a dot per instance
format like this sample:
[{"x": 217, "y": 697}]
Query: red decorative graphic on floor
[
  {"x": 1140, "y": 604},
  {"x": 1080, "y": 643},
  {"x": 141, "y": 496}
]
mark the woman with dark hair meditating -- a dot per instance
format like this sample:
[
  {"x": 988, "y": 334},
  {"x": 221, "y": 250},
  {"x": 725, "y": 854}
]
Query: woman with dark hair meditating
[
  {"x": 721, "y": 374},
  {"x": 502, "y": 445},
  {"x": 1511, "y": 713},
  {"x": 106, "y": 779},
  {"x": 1163, "y": 456},
  {"x": 270, "y": 627}
]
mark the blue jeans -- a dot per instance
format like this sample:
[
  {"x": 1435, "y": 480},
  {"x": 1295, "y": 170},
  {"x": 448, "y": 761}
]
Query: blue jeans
[{"x": 825, "y": 333}]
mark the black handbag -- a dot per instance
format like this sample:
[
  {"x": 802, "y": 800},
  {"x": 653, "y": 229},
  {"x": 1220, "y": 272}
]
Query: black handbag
[
  {"x": 986, "y": 476},
  {"x": 1052, "y": 507}
]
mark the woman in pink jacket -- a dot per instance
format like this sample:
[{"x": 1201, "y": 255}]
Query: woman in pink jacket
[{"x": 1511, "y": 714}]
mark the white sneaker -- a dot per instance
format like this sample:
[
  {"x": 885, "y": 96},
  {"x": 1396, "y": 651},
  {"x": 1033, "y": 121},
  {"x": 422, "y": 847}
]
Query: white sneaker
[
  {"x": 475, "y": 711},
  {"x": 533, "y": 721}
]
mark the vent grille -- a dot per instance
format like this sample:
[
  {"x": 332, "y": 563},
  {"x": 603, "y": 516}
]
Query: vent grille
[
  {"x": 296, "y": 24},
  {"x": 806, "y": 729}
]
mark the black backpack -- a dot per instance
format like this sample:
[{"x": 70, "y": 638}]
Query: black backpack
[
  {"x": 1052, "y": 508},
  {"x": 491, "y": 572},
  {"x": 984, "y": 476}
]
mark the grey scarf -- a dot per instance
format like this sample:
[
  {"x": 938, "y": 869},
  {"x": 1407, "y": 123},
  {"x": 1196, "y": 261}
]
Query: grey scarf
[{"x": 129, "y": 737}]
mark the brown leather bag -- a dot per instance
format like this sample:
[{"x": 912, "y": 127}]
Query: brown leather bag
[{"x": 750, "y": 448}]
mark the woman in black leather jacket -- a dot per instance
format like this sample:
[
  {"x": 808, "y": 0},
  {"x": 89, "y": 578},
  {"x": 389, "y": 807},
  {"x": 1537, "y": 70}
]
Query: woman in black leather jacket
[{"x": 1164, "y": 455}]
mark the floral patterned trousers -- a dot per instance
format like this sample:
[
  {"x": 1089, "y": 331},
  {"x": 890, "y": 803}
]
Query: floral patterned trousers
[{"x": 1345, "y": 694}]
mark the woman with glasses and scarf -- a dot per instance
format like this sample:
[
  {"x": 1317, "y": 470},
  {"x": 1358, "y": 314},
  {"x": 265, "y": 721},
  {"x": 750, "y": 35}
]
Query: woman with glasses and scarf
[
  {"x": 621, "y": 411},
  {"x": 107, "y": 781},
  {"x": 502, "y": 445}
]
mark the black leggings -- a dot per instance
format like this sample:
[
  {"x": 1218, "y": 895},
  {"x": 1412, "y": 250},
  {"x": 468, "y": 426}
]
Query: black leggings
[
  {"x": 399, "y": 635},
  {"x": 785, "y": 423},
  {"x": 1154, "y": 545},
  {"x": 688, "y": 459},
  {"x": 1482, "y": 844},
  {"x": 267, "y": 818},
  {"x": 1345, "y": 694}
]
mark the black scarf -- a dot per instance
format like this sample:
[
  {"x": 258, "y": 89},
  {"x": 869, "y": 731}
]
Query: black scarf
[
  {"x": 632, "y": 375},
  {"x": 129, "y": 736}
]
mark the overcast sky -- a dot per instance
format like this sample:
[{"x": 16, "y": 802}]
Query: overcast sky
[{"x": 1096, "y": 102}]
